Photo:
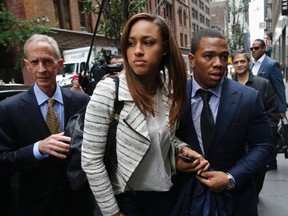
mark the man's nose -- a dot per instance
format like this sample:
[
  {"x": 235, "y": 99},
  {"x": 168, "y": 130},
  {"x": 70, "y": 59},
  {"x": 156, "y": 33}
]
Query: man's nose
[{"x": 41, "y": 66}]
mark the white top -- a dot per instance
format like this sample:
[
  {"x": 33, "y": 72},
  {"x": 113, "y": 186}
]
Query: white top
[{"x": 154, "y": 171}]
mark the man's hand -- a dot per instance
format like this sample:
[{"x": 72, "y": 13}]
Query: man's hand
[
  {"x": 56, "y": 145},
  {"x": 216, "y": 181},
  {"x": 282, "y": 114},
  {"x": 198, "y": 162}
]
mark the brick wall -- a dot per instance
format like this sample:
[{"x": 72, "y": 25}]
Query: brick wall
[{"x": 70, "y": 40}]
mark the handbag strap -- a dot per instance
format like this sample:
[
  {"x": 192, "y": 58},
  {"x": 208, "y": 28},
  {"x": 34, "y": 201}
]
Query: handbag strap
[
  {"x": 110, "y": 157},
  {"x": 118, "y": 105}
]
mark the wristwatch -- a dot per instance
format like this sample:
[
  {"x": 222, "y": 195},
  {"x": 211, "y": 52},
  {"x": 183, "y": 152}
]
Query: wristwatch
[{"x": 231, "y": 182}]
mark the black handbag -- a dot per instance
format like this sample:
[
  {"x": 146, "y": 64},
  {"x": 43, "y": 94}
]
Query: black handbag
[
  {"x": 75, "y": 174},
  {"x": 282, "y": 134},
  {"x": 110, "y": 157}
]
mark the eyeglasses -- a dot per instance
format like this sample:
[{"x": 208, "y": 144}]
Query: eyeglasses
[{"x": 254, "y": 48}]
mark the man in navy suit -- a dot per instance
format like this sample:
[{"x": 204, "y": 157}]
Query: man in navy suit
[
  {"x": 268, "y": 68},
  {"x": 28, "y": 150},
  {"x": 240, "y": 141}
]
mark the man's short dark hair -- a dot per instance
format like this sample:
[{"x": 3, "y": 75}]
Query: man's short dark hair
[
  {"x": 262, "y": 42},
  {"x": 207, "y": 32},
  {"x": 240, "y": 51}
]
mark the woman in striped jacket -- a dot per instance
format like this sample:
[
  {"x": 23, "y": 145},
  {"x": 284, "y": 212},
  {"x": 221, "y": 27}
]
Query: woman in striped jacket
[{"x": 153, "y": 89}]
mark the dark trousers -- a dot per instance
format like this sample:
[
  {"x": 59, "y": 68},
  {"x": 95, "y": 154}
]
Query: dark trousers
[
  {"x": 259, "y": 179},
  {"x": 146, "y": 203},
  {"x": 272, "y": 161}
]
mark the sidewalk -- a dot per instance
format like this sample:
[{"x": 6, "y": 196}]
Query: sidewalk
[
  {"x": 274, "y": 195},
  {"x": 273, "y": 199}
]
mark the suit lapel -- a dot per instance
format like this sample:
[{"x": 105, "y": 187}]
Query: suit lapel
[
  {"x": 68, "y": 102},
  {"x": 262, "y": 66},
  {"x": 229, "y": 101},
  {"x": 251, "y": 66},
  {"x": 134, "y": 118},
  {"x": 137, "y": 121},
  {"x": 32, "y": 111}
]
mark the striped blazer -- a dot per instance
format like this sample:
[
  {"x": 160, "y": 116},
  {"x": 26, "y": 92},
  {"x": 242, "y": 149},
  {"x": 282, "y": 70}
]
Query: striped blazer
[{"x": 133, "y": 141}]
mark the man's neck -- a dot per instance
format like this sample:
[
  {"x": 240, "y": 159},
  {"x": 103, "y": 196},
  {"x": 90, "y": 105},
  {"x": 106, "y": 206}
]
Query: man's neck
[{"x": 243, "y": 78}]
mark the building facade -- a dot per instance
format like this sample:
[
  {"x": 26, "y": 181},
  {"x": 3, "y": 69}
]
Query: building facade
[{"x": 75, "y": 29}]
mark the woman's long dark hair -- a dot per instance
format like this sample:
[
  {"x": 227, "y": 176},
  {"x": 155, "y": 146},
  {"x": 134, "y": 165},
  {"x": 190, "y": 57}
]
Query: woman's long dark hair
[{"x": 172, "y": 63}]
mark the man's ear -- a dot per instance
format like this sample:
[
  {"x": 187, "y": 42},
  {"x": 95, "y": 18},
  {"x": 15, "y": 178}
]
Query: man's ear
[
  {"x": 26, "y": 63},
  {"x": 191, "y": 58},
  {"x": 60, "y": 63}
]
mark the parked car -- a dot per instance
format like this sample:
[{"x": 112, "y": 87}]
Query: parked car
[{"x": 8, "y": 90}]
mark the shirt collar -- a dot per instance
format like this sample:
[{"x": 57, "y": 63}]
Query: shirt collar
[
  {"x": 42, "y": 97},
  {"x": 260, "y": 60},
  {"x": 216, "y": 91}
]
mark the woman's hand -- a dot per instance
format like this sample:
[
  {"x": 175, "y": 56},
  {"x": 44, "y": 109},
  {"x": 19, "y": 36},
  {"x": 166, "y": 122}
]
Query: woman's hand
[{"x": 197, "y": 164}]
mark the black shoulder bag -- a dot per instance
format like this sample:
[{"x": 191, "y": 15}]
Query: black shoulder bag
[
  {"x": 282, "y": 135},
  {"x": 110, "y": 157},
  {"x": 74, "y": 129}
]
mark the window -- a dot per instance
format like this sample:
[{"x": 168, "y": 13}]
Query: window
[
  {"x": 207, "y": 22},
  {"x": 180, "y": 15},
  {"x": 185, "y": 18},
  {"x": 195, "y": 2},
  {"x": 62, "y": 14},
  {"x": 168, "y": 12},
  {"x": 194, "y": 14},
  {"x": 85, "y": 19},
  {"x": 202, "y": 18},
  {"x": 181, "y": 39},
  {"x": 207, "y": 10},
  {"x": 201, "y": 5}
]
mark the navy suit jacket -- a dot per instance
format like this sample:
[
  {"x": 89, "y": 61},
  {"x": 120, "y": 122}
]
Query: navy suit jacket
[
  {"x": 41, "y": 182},
  {"x": 270, "y": 69},
  {"x": 241, "y": 122}
]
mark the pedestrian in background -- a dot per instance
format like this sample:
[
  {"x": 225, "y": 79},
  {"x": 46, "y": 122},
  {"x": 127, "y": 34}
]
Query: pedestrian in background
[
  {"x": 32, "y": 148},
  {"x": 237, "y": 143},
  {"x": 116, "y": 59},
  {"x": 75, "y": 84},
  {"x": 268, "y": 68},
  {"x": 243, "y": 75},
  {"x": 153, "y": 91}
]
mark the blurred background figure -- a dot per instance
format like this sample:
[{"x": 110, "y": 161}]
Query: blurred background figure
[
  {"x": 116, "y": 59},
  {"x": 75, "y": 84},
  {"x": 243, "y": 75},
  {"x": 268, "y": 68}
]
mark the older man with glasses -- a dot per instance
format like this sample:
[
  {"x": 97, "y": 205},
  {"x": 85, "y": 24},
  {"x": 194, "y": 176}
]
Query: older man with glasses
[{"x": 268, "y": 68}]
